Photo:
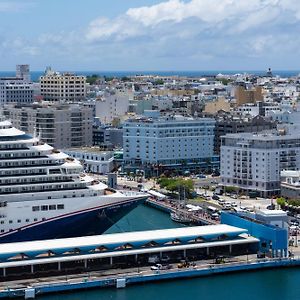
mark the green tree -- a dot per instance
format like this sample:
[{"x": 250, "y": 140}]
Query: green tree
[
  {"x": 281, "y": 202},
  {"x": 158, "y": 82},
  {"x": 92, "y": 79},
  {"x": 183, "y": 186}
]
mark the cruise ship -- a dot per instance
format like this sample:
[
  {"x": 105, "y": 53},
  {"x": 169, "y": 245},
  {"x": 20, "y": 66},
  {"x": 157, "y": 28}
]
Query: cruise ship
[{"x": 44, "y": 193}]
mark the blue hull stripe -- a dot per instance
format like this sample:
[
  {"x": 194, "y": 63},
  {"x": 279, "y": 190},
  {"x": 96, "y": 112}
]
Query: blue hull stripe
[{"x": 87, "y": 222}]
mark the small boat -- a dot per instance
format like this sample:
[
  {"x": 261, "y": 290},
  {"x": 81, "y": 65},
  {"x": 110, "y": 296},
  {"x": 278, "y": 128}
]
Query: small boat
[{"x": 180, "y": 218}]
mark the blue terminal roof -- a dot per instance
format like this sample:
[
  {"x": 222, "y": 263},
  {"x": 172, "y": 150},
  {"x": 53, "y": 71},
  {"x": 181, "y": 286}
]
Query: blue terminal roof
[{"x": 119, "y": 241}]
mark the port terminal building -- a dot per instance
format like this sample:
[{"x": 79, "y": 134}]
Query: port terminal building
[
  {"x": 134, "y": 249},
  {"x": 61, "y": 256}
]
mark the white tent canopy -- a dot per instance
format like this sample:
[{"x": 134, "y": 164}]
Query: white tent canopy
[{"x": 158, "y": 195}]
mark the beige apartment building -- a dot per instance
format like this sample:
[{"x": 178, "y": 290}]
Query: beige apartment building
[
  {"x": 244, "y": 95},
  {"x": 63, "y": 87},
  {"x": 215, "y": 106},
  {"x": 61, "y": 126}
]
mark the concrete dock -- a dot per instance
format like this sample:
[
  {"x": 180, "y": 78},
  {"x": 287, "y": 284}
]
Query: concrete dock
[
  {"x": 35, "y": 287},
  {"x": 169, "y": 206}
]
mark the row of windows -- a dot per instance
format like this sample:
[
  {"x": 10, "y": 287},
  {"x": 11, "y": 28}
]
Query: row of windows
[
  {"x": 48, "y": 207},
  {"x": 19, "y": 221}
]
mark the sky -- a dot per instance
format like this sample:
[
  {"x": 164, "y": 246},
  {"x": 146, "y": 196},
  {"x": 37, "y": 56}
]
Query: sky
[{"x": 161, "y": 35}]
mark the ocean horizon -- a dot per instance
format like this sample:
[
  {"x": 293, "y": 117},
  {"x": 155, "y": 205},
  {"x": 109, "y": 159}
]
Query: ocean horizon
[{"x": 282, "y": 73}]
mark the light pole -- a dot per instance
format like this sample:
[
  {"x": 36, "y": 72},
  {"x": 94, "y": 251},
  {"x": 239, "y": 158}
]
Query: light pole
[{"x": 138, "y": 266}]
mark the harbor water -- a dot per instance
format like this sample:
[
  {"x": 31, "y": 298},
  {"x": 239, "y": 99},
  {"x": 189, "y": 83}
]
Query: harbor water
[{"x": 279, "y": 284}]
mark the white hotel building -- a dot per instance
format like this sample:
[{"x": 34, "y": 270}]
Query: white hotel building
[
  {"x": 253, "y": 162},
  {"x": 15, "y": 90},
  {"x": 93, "y": 160},
  {"x": 178, "y": 143}
]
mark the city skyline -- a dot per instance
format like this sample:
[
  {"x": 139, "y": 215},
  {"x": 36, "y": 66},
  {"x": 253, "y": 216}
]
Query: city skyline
[{"x": 150, "y": 34}]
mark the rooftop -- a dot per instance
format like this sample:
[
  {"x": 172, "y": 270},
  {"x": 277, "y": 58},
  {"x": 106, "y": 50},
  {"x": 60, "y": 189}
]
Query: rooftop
[
  {"x": 267, "y": 212},
  {"x": 93, "y": 150},
  {"x": 137, "y": 238},
  {"x": 265, "y": 135}
]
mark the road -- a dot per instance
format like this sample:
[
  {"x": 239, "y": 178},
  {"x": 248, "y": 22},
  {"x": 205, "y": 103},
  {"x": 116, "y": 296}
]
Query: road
[
  {"x": 259, "y": 203},
  {"x": 116, "y": 273}
]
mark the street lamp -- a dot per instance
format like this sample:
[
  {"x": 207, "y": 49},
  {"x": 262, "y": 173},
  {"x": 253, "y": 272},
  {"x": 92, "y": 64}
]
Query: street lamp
[{"x": 138, "y": 266}]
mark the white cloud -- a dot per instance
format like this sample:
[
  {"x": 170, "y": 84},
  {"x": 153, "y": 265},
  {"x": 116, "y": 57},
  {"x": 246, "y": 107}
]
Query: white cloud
[
  {"x": 121, "y": 28},
  {"x": 231, "y": 15},
  {"x": 178, "y": 34}
]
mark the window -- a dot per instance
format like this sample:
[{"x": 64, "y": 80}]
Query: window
[
  {"x": 35, "y": 208},
  {"x": 44, "y": 207},
  {"x": 52, "y": 207},
  {"x": 35, "y": 219},
  {"x": 10, "y": 221},
  {"x": 60, "y": 206},
  {"x": 19, "y": 221}
]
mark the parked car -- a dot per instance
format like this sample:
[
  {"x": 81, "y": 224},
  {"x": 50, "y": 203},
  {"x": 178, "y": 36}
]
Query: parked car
[
  {"x": 227, "y": 206},
  {"x": 215, "y": 216},
  {"x": 215, "y": 174},
  {"x": 215, "y": 197},
  {"x": 200, "y": 176},
  {"x": 156, "y": 267}
]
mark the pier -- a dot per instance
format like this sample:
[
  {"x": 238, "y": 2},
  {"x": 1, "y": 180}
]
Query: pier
[
  {"x": 34, "y": 288},
  {"x": 168, "y": 206},
  {"x": 116, "y": 259}
]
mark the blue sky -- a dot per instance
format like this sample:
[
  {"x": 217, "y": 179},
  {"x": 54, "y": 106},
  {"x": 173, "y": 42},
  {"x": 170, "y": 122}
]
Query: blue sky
[{"x": 150, "y": 34}]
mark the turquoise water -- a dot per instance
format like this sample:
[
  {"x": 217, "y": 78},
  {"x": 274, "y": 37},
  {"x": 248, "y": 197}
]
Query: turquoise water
[
  {"x": 143, "y": 218},
  {"x": 263, "y": 285},
  {"x": 277, "y": 284}
]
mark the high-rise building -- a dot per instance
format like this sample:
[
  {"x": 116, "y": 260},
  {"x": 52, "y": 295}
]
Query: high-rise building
[
  {"x": 15, "y": 90},
  {"x": 61, "y": 126},
  {"x": 23, "y": 71},
  {"x": 112, "y": 105},
  {"x": 62, "y": 87},
  {"x": 238, "y": 124},
  {"x": 252, "y": 162},
  {"x": 173, "y": 143}
]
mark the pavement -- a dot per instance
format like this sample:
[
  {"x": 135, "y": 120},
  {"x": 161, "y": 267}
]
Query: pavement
[
  {"x": 116, "y": 273},
  {"x": 258, "y": 203}
]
